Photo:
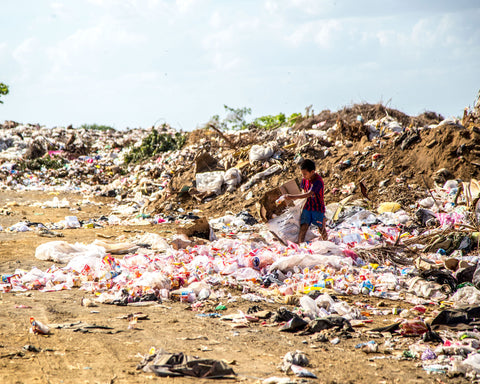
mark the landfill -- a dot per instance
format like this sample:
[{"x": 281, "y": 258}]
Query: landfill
[{"x": 402, "y": 247}]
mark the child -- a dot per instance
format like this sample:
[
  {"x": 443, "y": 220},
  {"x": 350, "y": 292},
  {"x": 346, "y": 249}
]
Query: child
[{"x": 314, "y": 209}]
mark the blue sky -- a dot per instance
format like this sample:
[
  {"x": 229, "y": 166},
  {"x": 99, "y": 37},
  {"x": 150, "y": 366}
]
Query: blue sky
[{"x": 131, "y": 63}]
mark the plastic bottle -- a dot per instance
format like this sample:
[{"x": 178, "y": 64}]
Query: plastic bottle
[
  {"x": 280, "y": 200},
  {"x": 38, "y": 327}
]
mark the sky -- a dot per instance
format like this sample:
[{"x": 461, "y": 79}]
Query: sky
[{"x": 136, "y": 63}]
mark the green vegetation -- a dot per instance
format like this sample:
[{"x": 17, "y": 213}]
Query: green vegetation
[
  {"x": 47, "y": 161},
  {"x": 273, "y": 122},
  {"x": 154, "y": 144},
  {"x": 97, "y": 127},
  {"x": 3, "y": 91},
  {"x": 236, "y": 120}
]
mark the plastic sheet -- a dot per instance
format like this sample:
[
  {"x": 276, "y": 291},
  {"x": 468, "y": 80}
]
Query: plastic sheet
[{"x": 63, "y": 252}]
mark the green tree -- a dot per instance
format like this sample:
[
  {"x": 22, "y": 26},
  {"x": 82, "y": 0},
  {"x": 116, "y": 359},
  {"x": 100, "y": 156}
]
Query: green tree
[
  {"x": 3, "y": 91},
  {"x": 234, "y": 120}
]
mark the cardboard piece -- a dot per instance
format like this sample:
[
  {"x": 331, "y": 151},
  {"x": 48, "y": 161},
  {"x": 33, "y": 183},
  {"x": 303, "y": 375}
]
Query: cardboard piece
[
  {"x": 205, "y": 163},
  {"x": 268, "y": 208}
]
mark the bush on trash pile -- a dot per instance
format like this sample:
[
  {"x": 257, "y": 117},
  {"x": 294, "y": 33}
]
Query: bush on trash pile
[
  {"x": 154, "y": 144},
  {"x": 45, "y": 162}
]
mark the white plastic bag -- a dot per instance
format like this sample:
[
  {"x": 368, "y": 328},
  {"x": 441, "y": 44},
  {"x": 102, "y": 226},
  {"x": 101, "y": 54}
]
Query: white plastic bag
[
  {"x": 155, "y": 241},
  {"x": 309, "y": 306},
  {"x": 80, "y": 261},
  {"x": 72, "y": 222},
  {"x": 63, "y": 252},
  {"x": 466, "y": 296},
  {"x": 287, "y": 225},
  {"x": 232, "y": 178},
  {"x": 260, "y": 153},
  {"x": 210, "y": 182},
  {"x": 155, "y": 280},
  {"x": 285, "y": 264}
]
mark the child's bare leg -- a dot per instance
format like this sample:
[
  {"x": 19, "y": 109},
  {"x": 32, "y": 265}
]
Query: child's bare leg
[
  {"x": 323, "y": 231},
  {"x": 302, "y": 233}
]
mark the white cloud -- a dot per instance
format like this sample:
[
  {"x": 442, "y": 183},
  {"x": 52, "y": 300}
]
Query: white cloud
[
  {"x": 322, "y": 32},
  {"x": 185, "y": 5},
  {"x": 26, "y": 55},
  {"x": 86, "y": 46},
  {"x": 225, "y": 47},
  {"x": 312, "y": 7},
  {"x": 271, "y": 6},
  {"x": 22, "y": 54}
]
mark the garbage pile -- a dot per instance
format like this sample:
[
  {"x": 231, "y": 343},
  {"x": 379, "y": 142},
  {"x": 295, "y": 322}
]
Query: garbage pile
[
  {"x": 390, "y": 153},
  {"x": 420, "y": 247}
]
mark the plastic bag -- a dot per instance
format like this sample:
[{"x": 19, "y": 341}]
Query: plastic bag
[
  {"x": 155, "y": 280},
  {"x": 287, "y": 225},
  {"x": 466, "y": 296},
  {"x": 309, "y": 306},
  {"x": 210, "y": 182},
  {"x": 63, "y": 252},
  {"x": 260, "y": 153},
  {"x": 81, "y": 261},
  {"x": 389, "y": 207},
  {"x": 155, "y": 241},
  {"x": 285, "y": 264},
  {"x": 426, "y": 289},
  {"x": 232, "y": 178},
  {"x": 472, "y": 362}
]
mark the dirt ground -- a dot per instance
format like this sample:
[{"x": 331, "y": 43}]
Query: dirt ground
[{"x": 111, "y": 355}]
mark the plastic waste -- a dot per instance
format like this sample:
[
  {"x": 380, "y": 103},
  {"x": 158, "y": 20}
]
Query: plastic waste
[
  {"x": 465, "y": 296},
  {"x": 287, "y": 225},
  {"x": 260, "y": 153},
  {"x": 309, "y": 306},
  {"x": 280, "y": 200},
  {"x": 413, "y": 327},
  {"x": 63, "y": 252},
  {"x": 302, "y": 372},
  {"x": 210, "y": 182},
  {"x": 39, "y": 328},
  {"x": 427, "y": 289},
  {"x": 388, "y": 207},
  {"x": 297, "y": 358},
  {"x": 261, "y": 175},
  {"x": 233, "y": 178},
  {"x": 428, "y": 202},
  {"x": 72, "y": 222}
]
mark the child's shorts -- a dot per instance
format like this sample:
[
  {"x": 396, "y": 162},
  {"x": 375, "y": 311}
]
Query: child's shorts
[{"x": 312, "y": 217}]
